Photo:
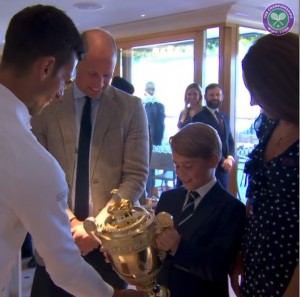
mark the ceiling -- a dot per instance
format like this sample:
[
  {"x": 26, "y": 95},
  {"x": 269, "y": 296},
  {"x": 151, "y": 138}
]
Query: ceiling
[{"x": 116, "y": 12}]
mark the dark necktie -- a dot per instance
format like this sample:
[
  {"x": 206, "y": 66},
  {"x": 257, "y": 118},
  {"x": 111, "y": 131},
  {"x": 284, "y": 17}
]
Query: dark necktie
[
  {"x": 82, "y": 178},
  {"x": 188, "y": 209},
  {"x": 221, "y": 124}
]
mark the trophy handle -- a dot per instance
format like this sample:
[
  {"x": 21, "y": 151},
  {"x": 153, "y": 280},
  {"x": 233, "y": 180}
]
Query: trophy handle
[
  {"x": 164, "y": 220},
  {"x": 90, "y": 227}
]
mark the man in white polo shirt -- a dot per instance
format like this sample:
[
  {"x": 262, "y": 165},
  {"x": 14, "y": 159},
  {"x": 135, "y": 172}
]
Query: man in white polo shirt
[{"x": 42, "y": 47}]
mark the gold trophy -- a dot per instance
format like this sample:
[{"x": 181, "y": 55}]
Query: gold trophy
[{"x": 128, "y": 236}]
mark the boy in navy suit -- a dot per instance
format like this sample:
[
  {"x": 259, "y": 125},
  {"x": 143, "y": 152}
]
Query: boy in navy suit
[{"x": 208, "y": 219}]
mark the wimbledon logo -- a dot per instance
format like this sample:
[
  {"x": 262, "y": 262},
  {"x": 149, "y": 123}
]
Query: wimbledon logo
[{"x": 278, "y": 19}]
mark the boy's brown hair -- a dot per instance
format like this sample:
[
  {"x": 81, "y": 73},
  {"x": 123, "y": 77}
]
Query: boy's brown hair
[{"x": 196, "y": 140}]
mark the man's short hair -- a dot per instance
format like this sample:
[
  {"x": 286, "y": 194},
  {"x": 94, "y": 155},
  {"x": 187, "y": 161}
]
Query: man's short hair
[
  {"x": 39, "y": 31},
  {"x": 150, "y": 85},
  {"x": 213, "y": 86},
  {"x": 196, "y": 140}
]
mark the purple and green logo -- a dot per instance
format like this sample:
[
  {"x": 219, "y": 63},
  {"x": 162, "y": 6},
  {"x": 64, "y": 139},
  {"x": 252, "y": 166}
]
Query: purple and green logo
[{"x": 278, "y": 19}]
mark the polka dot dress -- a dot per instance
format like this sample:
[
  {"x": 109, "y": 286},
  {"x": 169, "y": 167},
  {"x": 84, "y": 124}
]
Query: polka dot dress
[{"x": 271, "y": 240}]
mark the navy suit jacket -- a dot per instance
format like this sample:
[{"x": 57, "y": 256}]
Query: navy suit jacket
[
  {"x": 210, "y": 241},
  {"x": 205, "y": 116},
  {"x": 228, "y": 148}
]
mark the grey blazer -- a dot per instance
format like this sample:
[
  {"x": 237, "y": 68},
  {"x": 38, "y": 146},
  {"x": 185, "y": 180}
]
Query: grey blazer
[{"x": 119, "y": 149}]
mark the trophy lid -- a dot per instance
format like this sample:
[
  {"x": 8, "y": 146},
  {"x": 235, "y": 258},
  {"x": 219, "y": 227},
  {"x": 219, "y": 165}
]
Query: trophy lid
[{"x": 124, "y": 219}]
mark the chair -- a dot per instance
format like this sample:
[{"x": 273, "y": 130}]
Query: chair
[{"x": 161, "y": 160}]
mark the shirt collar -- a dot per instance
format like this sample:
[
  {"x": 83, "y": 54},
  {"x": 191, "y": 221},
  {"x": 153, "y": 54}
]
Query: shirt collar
[
  {"x": 202, "y": 191},
  {"x": 16, "y": 106},
  {"x": 212, "y": 110},
  {"x": 77, "y": 93}
]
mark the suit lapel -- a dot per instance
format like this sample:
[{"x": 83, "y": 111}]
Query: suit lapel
[
  {"x": 214, "y": 122},
  {"x": 204, "y": 210},
  {"x": 66, "y": 117},
  {"x": 177, "y": 205},
  {"x": 226, "y": 125},
  {"x": 211, "y": 119},
  {"x": 104, "y": 117}
]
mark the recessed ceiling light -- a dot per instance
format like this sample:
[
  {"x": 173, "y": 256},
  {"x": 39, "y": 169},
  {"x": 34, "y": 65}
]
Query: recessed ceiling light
[
  {"x": 143, "y": 15},
  {"x": 88, "y": 6}
]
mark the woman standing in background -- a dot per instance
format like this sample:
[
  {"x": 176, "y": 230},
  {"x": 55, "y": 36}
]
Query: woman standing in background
[{"x": 192, "y": 104}]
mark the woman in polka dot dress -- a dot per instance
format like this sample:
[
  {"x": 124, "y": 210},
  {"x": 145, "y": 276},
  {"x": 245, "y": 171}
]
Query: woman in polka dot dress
[{"x": 271, "y": 238}]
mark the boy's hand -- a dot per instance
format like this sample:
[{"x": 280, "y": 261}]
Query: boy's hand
[{"x": 168, "y": 240}]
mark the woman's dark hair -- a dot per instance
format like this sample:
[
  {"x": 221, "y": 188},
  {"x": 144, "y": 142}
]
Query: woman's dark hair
[
  {"x": 271, "y": 73},
  {"x": 38, "y": 31}
]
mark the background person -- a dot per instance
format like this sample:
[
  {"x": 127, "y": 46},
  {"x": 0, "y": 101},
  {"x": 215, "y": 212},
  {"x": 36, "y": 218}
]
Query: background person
[
  {"x": 271, "y": 240},
  {"x": 192, "y": 104},
  {"x": 155, "y": 113},
  {"x": 122, "y": 84},
  {"x": 202, "y": 246},
  {"x": 212, "y": 116},
  {"x": 126, "y": 86},
  {"x": 34, "y": 68},
  {"x": 118, "y": 153}
]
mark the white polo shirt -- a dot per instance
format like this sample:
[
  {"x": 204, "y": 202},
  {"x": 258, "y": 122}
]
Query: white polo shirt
[{"x": 33, "y": 198}]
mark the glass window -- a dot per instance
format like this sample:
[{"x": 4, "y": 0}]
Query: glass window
[
  {"x": 170, "y": 66},
  {"x": 245, "y": 136},
  {"x": 211, "y": 58},
  {"x": 245, "y": 114}
]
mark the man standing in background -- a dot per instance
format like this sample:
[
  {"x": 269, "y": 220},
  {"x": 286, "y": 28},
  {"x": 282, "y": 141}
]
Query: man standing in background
[
  {"x": 155, "y": 111},
  {"x": 117, "y": 152},
  {"x": 211, "y": 115},
  {"x": 156, "y": 114}
]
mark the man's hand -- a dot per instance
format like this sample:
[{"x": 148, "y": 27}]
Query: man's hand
[
  {"x": 129, "y": 293},
  {"x": 84, "y": 242},
  {"x": 227, "y": 164}
]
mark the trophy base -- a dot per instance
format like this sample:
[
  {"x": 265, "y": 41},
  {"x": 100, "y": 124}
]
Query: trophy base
[
  {"x": 164, "y": 292},
  {"x": 157, "y": 291}
]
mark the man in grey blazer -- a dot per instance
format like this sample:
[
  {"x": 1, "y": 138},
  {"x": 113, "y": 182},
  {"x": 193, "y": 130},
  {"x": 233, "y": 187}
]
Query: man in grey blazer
[{"x": 119, "y": 148}]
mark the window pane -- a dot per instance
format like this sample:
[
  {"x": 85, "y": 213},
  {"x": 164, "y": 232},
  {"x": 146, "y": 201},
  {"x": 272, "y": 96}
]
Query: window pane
[
  {"x": 245, "y": 114},
  {"x": 245, "y": 135},
  {"x": 211, "y": 57},
  {"x": 170, "y": 66}
]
